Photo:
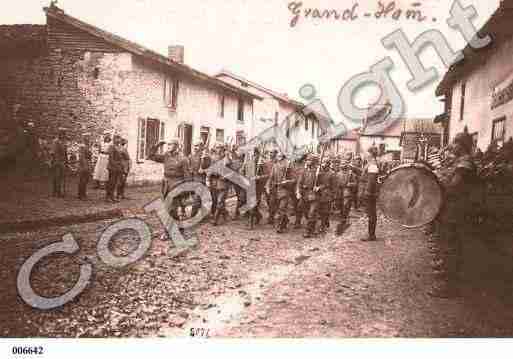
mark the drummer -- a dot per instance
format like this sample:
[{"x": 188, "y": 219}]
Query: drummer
[{"x": 370, "y": 191}]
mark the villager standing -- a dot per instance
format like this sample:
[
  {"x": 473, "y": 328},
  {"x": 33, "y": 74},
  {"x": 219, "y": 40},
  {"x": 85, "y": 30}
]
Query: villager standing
[
  {"x": 127, "y": 166},
  {"x": 370, "y": 192},
  {"x": 84, "y": 166},
  {"x": 59, "y": 160},
  {"x": 115, "y": 168},
  {"x": 458, "y": 179},
  {"x": 101, "y": 173}
]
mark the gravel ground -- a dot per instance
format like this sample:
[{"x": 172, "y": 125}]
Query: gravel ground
[{"x": 241, "y": 283}]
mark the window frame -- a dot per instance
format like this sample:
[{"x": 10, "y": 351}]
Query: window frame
[
  {"x": 218, "y": 130},
  {"x": 171, "y": 91},
  {"x": 240, "y": 110},
  {"x": 503, "y": 135}
]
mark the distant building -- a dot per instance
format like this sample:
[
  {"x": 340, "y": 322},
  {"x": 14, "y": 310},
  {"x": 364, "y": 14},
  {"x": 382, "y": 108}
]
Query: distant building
[
  {"x": 73, "y": 74},
  {"x": 276, "y": 109},
  {"x": 478, "y": 90},
  {"x": 417, "y": 137}
]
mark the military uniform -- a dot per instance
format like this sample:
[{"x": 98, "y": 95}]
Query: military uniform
[
  {"x": 115, "y": 167},
  {"x": 271, "y": 195},
  {"x": 197, "y": 174},
  {"x": 84, "y": 169},
  {"x": 59, "y": 165},
  {"x": 253, "y": 169},
  {"x": 369, "y": 186},
  {"x": 222, "y": 186},
  {"x": 458, "y": 179},
  {"x": 308, "y": 199},
  {"x": 345, "y": 182},
  {"x": 325, "y": 184},
  {"x": 176, "y": 170},
  {"x": 279, "y": 183},
  {"x": 236, "y": 166}
]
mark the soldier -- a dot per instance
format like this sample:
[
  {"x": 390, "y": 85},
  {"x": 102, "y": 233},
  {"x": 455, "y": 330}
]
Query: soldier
[
  {"x": 84, "y": 166},
  {"x": 270, "y": 196},
  {"x": 324, "y": 194},
  {"x": 369, "y": 191},
  {"x": 176, "y": 170},
  {"x": 237, "y": 159},
  {"x": 197, "y": 172},
  {"x": 458, "y": 180},
  {"x": 59, "y": 158},
  {"x": 279, "y": 183},
  {"x": 296, "y": 172},
  {"x": 253, "y": 169},
  {"x": 115, "y": 167},
  {"x": 356, "y": 163},
  {"x": 306, "y": 195},
  {"x": 222, "y": 185}
]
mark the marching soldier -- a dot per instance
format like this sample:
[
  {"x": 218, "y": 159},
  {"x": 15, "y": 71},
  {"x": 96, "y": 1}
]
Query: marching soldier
[
  {"x": 237, "y": 159},
  {"x": 347, "y": 179},
  {"x": 176, "y": 170},
  {"x": 356, "y": 163},
  {"x": 323, "y": 190},
  {"x": 296, "y": 172},
  {"x": 458, "y": 179},
  {"x": 306, "y": 195},
  {"x": 197, "y": 172},
  {"x": 270, "y": 196},
  {"x": 59, "y": 163},
  {"x": 253, "y": 169},
  {"x": 222, "y": 185},
  {"x": 279, "y": 183},
  {"x": 84, "y": 166}
]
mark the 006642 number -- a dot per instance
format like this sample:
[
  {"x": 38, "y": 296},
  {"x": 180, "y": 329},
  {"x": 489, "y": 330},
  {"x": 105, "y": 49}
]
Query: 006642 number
[{"x": 27, "y": 350}]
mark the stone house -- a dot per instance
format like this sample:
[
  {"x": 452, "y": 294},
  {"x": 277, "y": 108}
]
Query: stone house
[
  {"x": 276, "y": 108},
  {"x": 478, "y": 90},
  {"x": 69, "y": 73}
]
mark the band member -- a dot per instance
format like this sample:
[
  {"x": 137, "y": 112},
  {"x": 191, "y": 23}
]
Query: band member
[
  {"x": 237, "y": 159},
  {"x": 324, "y": 194},
  {"x": 59, "y": 160},
  {"x": 297, "y": 171},
  {"x": 176, "y": 171},
  {"x": 127, "y": 165},
  {"x": 356, "y": 163},
  {"x": 101, "y": 173},
  {"x": 197, "y": 173},
  {"x": 270, "y": 197},
  {"x": 305, "y": 194},
  {"x": 458, "y": 180},
  {"x": 279, "y": 183},
  {"x": 84, "y": 166},
  {"x": 115, "y": 167},
  {"x": 370, "y": 191}
]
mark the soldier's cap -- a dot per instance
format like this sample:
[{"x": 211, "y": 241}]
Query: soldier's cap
[
  {"x": 30, "y": 124},
  {"x": 173, "y": 141},
  {"x": 62, "y": 129},
  {"x": 312, "y": 157},
  {"x": 198, "y": 144},
  {"x": 464, "y": 139},
  {"x": 86, "y": 134},
  {"x": 373, "y": 150},
  {"x": 106, "y": 133}
]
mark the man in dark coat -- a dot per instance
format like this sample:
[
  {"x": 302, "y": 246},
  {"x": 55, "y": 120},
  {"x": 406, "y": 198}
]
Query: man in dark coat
[
  {"x": 59, "y": 162},
  {"x": 127, "y": 165},
  {"x": 369, "y": 191},
  {"x": 85, "y": 168}
]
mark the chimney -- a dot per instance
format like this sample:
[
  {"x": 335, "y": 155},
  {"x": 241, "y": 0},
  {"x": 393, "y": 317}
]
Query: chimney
[{"x": 176, "y": 53}]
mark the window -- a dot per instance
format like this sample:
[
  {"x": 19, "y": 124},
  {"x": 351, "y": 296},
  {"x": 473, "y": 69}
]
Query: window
[
  {"x": 220, "y": 135},
  {"x": 462, "y": 103},
  {"x": 475, "y": 136},
  {"x": 499, "y": 131},
  {"x": 306, "y": 124},
  {"x": 171, "y": 88},
  {"x": 313, "y": 129},
  {"x": 221, "y": 106},
  {"x": 150, "y": 132},
  {"x": 240, "y": 138},
  {"x": 204, "y": 133},
  {"x": 240, "y": 111}
]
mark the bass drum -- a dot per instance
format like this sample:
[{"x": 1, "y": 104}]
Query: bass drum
[{"x": 411, "y": 195}]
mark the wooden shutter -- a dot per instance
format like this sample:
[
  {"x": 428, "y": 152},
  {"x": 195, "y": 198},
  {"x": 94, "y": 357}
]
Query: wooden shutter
[
  {"x": 141, "y": 139},
  {"x": 174, "y": 94},
  {"x": 162, "y": 135}
]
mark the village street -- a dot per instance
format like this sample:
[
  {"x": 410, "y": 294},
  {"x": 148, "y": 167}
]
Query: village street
[{"x": 241, "y": 283}]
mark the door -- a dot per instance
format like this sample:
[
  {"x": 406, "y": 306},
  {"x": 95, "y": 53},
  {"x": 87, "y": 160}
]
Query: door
[{"x": 187, "y": 139}]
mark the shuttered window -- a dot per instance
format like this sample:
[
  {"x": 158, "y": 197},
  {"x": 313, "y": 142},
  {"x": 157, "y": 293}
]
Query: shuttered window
[
  {"x": 499, "y": 131},
  {"x": 141, "y": 139},
  {"x": 150, "y": 131}
]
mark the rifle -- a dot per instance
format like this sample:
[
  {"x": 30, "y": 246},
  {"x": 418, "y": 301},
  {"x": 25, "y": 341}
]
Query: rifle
[{"x": 320, "y": 164}]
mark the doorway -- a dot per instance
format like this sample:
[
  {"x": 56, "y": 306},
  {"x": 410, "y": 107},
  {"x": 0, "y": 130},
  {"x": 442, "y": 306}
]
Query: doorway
[{"x": 187, "y": 139}]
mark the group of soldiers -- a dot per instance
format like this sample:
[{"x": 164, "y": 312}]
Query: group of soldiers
[
  {"x": 112, "y": 167},
  {"x": 316, "y": 188}
]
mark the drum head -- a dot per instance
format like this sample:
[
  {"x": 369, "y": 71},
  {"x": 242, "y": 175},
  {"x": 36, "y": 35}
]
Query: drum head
[{"x": 411, "y": 196}]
